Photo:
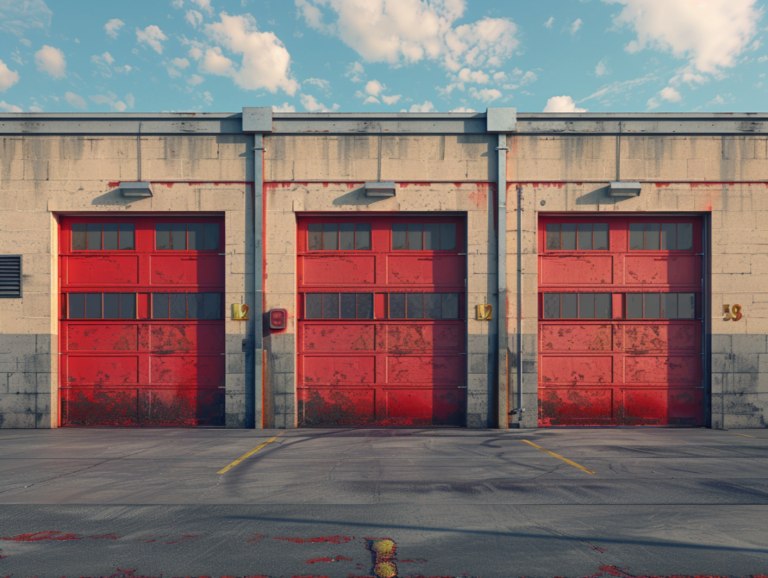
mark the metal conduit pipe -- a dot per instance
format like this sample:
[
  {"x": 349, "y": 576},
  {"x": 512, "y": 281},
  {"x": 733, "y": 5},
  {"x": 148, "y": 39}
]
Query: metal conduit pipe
[
  {"x": 256, "y": 312},
  {"x": 501, "y": 273}
]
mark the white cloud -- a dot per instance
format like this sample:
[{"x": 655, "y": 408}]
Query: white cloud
[
  {"x": 355, "y": 72},
  {"x": 528, "y": 78},
  {"x": 762, "y": 59},
  {"x": 413, "y": 30},
  {"x": 180, "y": 63},
  {"x": 130, "y": 100},
  {"x": 112, "y": 101},
  {"x": 371, "y": 100},
  {"x": 124, "y": 69},
  {"x": 103, "y": 62},
  {"x": 319, "y": 82},
  {"x": 152, "y": 36},
  {"x": 195, "y": 79},
  {"x": 34, "y": 108},
  {"x": 562, "y": 104},
  {"x": 285, "y": 107},
  {"x": 374, "y": 87},
  {"x": 310, "y": 103},
  {"x": 51, "y": 60},
  {"x": 391, "y": 99},
  {"x": 76, "y": 100},
  {"x": 177, "y": 3},
  {"x": 486, "y": 94},
  {"x": 266, "y": 62},
  {"x": 463, "y": 109},
  {"x": 620, "y": 87},
  {"x": 204, "y": 5},
  {"x": 670, "y": 94},
  {"x": 550, "y": 22},
  {"x": 5, "y": 107},
  {"x": 576, "y": 25},
  {"x": 500, "y": 77},
  {"x": 426, "y": 107},
  {"x": 478, "y": 76},
  {"x": 8, "y": 77},
  {"x": 20, "y": 15},
  {"x": 711, "y": 34},
  {"x": 207, "y": 98},
  {"x": 602, "y": 68},
  {"x": 113, "y": 27},
  {"x": 194, "y": 18}
]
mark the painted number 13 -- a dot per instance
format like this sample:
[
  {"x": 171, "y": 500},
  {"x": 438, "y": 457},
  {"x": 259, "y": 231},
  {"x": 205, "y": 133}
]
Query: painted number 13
[{"x": 731, "y": 313}]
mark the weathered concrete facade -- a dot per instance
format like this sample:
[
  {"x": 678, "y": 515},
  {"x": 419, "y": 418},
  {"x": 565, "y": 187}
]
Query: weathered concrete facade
[{"x": 716, "y": 167}]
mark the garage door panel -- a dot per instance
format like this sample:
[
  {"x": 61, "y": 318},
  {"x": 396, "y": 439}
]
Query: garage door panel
[
  {"x": 336, "y": 407},
  {"x": 339, "y": 370},
  {"x": 98, "y": 337},
  {"x": 338, "y": 338},
  {"x": 425, "y": 337},
  {"x": 340, "y": 270},
  {"x": 105, "y": 370},
  {"x": 577, "y": 270},
  {"x": 187, "y": 369},
  {"x": 663, "y": 369},
  {"x": 425, "y": 369},
  {"x": 583, "y": 406},
  {"x": 425, "y": 270},
  {"x": 415, "y": 407},
  {"x": 103, "y": 271},
  {"x": 568, "y": 369},
  {"x": 662, "y": 406},
  {"x": 181, "y": 407},
  {"x": 186, "y": 338},
  {"x": 99, "y": 407},
  {"x": 199, "y": 270},
  {"x": 571, "y": 337},
  {"x": 662, "y": 337},
  {"x": 662, "y": 270}
]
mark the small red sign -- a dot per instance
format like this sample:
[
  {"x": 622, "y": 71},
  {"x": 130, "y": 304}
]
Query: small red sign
[{"x": 278, "y": 318}]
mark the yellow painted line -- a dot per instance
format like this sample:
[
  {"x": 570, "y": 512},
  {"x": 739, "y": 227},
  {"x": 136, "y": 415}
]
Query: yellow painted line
[
  {"x": 566, "y": 460},
  {"x": 738, "y": 434},
  {"x": 249, "y": 454}
]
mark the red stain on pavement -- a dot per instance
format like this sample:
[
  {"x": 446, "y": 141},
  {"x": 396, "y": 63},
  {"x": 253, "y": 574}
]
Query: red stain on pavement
[
  {"x": 256, "y": 537},
  {"x": 327, "y": 559},
  {"x": 40, "y": 536},
  {"x": 329, "y": 539},
  {"x": 185, "y": 538}
]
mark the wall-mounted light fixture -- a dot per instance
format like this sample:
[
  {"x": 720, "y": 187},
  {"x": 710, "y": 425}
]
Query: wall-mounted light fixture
[
  {"x": 624, "y": 189},
  {"x": 136, "y": 189},
  {"x": 384, "y": 189}
]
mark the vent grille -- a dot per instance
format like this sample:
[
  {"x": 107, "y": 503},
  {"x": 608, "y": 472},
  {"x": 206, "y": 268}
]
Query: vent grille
[{"x": 10, "y": 276}]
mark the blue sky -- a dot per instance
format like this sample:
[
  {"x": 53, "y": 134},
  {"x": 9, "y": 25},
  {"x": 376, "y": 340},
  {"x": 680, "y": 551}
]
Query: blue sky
[{"x": 383, "y": 55}]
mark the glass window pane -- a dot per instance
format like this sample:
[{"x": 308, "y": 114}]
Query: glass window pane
[
  {"x": 586, "y": 306},
  {"x": 178, "y": 306},
  {"x": 347, "y": 236},
  {"x": 211, "y": 236},
  {"x": 636, "y": 237},
  {"x": 397, "y": 305},
  {"x": 399, "y": 238},
  {"x": 330, "y": 305},
  {"x": 669, "y": 305},
  {"x": 94, "y": 236},
  {"x": 602, "y": 305},
  {"x": 79, "y": 242},
  {"x": 111, "y": 305},
  {"x": 314, "y": 306},
  {"x": 634, "y": 306},
  {"x": 162, "y": 236},
  {"x": 159, "y": 305},
  {"x": 330, "y": 236},
  {"x": 110, "y": 236},
  {"x": 568, "y": 306},
  {"x": 365, "y": 305},
  {"x": 93, "y": 305},
  {"x": 212, "y": 305},
  {"x": 448, "y": 236},
  {"x": 414, "y": 236},
  {"x": 686, "y": 305},
  {"x": 76, "y": 305},
  {"x": 668, "y": 237},
  {"x": 585, "y": 236},
  {"x": 315, "y": 236},
  {"x": 553, "y": 238},
  {"x": 432, "y": 236},
  {"x": 195, "y": 306},
  {"x": 127, "y": 236},
  {"x": 684, "y": 236},
  {"x": 433, "y": 305},
  {"x": 196, "y": 231},
  {"x": 600, "y": 237},
  {"x": 652, "y": 236},
  {"x": 363, "y": 238},
  {"x": 179, "y": 236},
  {"x": 551, "y": 305},
  {"x": 569, "y": 236},
  {"x": 450, "y": 305},
  {"x": 348, "y": 309},
  {"x": 127, "y": 305},
  {"x": 415, "y": 305},
  {"x": 652, "y": 305}
]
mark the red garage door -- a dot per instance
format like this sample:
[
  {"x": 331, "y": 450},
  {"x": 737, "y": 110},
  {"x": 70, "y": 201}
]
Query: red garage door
[
  {"x": 381, "y": 337},
  {"x": 142, "y": 330},
  {"x": 620, "y": 321}
]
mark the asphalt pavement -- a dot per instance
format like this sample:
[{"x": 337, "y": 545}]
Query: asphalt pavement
[{"x": 135, "y": 503}]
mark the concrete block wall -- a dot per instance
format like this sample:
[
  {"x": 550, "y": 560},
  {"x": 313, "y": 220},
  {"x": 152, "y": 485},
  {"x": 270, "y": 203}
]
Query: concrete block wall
[{"x": 43, "y": 177}]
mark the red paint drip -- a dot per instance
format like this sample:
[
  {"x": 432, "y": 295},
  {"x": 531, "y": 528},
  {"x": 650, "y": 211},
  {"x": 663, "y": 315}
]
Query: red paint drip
[
  {"x": 42, "y": 536},
  {"x": 329, "y": 539},
  {"x": 660, "y": 185},
  {"x": 256, "y": 538},
  {"x": 185, "y": 538},
  {"x": 113, "y": 184},
  {"x": 406, "y": 185}
]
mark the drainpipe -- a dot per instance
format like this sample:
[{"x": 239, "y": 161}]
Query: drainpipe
[
  {"x": 519, "y": 409},
  {"x": 501, "y": 272}
]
